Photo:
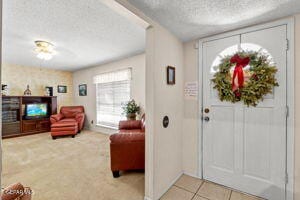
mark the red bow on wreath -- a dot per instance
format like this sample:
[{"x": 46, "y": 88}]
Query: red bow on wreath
[{"x": 238, "y": 73}]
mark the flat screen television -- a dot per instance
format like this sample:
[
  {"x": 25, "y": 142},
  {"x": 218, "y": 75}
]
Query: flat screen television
[{"x": 36, "y": 110}]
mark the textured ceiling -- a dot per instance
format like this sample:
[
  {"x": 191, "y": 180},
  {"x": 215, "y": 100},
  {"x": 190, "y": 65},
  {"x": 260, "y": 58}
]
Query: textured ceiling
[
  {"x": 84, "y": 32},
  {"x": 190, "y": 19}
]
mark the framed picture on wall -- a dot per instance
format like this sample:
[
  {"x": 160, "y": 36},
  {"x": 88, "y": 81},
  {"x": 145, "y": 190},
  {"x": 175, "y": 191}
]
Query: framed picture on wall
[
  {"x": 170, "y": 75},
  {"x": 62, "y": 89},
  {"x": 82, "y": 89},
  {"x": 49, "y": 91}
]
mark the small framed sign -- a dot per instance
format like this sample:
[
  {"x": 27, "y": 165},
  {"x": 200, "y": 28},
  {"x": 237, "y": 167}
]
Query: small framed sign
[
  {"x": 62, "y": 89},
  {"x": 82, "y": 89},
  {"x": 170, "y": 75}
]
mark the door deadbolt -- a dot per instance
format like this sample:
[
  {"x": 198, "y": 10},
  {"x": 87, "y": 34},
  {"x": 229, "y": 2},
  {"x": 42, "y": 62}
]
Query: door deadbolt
[{"x": 206, "y": 110}]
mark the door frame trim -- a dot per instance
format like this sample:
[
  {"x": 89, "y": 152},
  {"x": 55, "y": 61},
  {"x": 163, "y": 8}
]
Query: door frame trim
[{"x": 290, "y": 23}]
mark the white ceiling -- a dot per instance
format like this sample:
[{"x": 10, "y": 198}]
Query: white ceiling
[
  {"x": 190, "y": 19},
  {"x": 85, "y": 33}
]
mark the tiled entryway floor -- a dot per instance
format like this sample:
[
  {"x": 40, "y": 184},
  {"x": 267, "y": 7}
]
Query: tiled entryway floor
[{"x": 190, "y": 188}]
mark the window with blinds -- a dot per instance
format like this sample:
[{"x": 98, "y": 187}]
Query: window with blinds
[{"x": 112, "y": 89}]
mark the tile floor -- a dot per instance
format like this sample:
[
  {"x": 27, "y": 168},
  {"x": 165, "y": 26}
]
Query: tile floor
[{"x": 190, "y": 188}]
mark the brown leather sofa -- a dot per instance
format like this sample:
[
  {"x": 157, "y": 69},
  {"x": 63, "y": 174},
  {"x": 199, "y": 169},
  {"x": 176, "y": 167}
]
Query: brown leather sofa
[
  {"x": 127, "y": 148},
  {"x": 16, "y": 192},
  {"x": 69, "y": 121}
]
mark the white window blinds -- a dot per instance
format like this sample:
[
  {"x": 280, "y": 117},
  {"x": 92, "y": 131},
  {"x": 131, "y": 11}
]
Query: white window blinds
[{"x": 112, "y": 89}]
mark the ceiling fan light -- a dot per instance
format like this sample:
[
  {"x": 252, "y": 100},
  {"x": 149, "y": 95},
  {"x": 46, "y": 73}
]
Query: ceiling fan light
[
  {"x": 44, "y": 50},
  {"x": 44, "y": 56}
]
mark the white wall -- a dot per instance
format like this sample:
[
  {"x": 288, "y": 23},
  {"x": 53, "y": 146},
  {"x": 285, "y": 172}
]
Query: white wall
[
  {"x": 85, "y": 76},
  {"x": 191, "y": 113},
  {"x": 163, "y": 49}
]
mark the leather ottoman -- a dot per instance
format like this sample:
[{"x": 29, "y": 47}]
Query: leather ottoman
[{"x": 64, "y": 128}]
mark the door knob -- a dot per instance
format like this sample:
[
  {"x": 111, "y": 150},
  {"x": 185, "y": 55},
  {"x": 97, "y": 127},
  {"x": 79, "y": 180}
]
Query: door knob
[
  {"x": 206, "y": 119},
  {"x": 206, "y": 110}
]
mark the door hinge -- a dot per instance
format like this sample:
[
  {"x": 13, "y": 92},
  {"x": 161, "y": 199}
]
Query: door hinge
[
  {"x": 286, "y": 178},
  {"x": 287, "y": 110},
  {"x": 287, "y": 44}
]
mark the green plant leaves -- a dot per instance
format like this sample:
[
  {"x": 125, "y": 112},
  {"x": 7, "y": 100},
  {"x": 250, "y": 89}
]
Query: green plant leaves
[{"x": 130, "y": 107}]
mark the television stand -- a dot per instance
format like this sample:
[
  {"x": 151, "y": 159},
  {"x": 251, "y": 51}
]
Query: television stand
[
  {"x": 36, "y": 125},
  {"x": 15, "y": 123}
]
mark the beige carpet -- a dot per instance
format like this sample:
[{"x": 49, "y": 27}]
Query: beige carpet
[{"x": 67, "y": 168}]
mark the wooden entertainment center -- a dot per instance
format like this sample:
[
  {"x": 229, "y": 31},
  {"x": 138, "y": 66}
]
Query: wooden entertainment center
[{"x": 14, "y": 121}]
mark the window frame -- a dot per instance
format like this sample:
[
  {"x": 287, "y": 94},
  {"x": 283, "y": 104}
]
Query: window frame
[{"x": 113, "y": 127}]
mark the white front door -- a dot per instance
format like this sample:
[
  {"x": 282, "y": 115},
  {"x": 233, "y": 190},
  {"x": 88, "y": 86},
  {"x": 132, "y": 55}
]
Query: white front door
[{"x": 245, "y": 147}]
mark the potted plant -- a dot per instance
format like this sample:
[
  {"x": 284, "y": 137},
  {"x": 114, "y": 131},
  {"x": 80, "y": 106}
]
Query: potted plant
[{"x": 130, "y": 108}]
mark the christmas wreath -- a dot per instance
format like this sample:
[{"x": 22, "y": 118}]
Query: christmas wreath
[{"x": 245, "y": 76}]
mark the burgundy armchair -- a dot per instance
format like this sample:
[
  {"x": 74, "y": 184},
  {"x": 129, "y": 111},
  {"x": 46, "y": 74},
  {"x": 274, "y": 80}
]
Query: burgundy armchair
[
  {"x": 127, "y": 148},
  {"x": 69, "y": 121}
]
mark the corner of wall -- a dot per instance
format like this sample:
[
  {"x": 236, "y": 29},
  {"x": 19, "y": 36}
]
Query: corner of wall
[
  {"x": 164, "y": 49},
  {"x": 191, "y": 112}
]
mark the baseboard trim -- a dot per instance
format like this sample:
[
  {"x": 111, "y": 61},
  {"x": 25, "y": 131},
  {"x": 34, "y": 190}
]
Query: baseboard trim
[
  {"x": 102, "y": 130},
  {"x": 192, "y": 175},
  {"x": 172, "y": 183},
  {"x": 147, "y": 198}
]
